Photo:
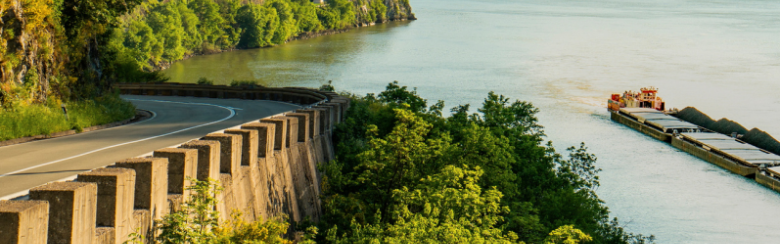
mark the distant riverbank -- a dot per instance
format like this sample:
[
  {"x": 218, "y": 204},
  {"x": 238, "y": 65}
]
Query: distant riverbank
[{"x": 302, "y": 36}]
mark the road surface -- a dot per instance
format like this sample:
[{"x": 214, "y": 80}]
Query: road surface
[{"x": 176, "y": 120}]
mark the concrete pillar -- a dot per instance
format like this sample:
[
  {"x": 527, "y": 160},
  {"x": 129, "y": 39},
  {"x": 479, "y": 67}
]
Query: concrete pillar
[
  {"x": 151, "y": 184},
  {"x": 182, "y": 165},
  {"x": 303, "y": 125},
  {"x": 347, "y": 103},
  {"x": 265, "y": 137},
  {"x": 248, "y": 145},
  {"x": 74, "y": 208},
  {"x": 343, "y": 103},
  {"x": 336, "y": 112},
  {"x": 326, "y": 118},
  {"x": 143, "y": 223},
  {"x": 233, "y": 195},
  {"x": 321, "y": 117},
  {"x": 291, "y": 137},
  {"x": 116, "y": 190},
  {"x": 208, "y": 158},
  {"x": 105, "y": 235},
  {"x": 314, "y": 121},
  {"x": 229, "y": 151},
  {"x": 24, "y": 222},
  {"x": 280, "y": 131}
]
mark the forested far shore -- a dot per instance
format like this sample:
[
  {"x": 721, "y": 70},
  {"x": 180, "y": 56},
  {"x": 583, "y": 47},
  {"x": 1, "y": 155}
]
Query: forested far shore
[
  {"x": 75, "y": 50},
  {"x": 157, "y": 34},
  {"x": 55, "y": 52}
]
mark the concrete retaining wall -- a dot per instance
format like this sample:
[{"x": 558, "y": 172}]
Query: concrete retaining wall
[{"x": 268, "y": 168}]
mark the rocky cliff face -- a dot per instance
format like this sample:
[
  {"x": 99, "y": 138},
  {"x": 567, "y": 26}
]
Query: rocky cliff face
[
  {"x": 399, "y": 10},
  {"x": 366, "y": 11},
  {"x": 29, "y": 48}
]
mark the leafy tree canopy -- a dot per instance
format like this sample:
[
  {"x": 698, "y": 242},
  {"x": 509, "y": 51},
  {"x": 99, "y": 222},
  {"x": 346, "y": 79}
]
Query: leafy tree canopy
[{"x": 404, "y": 172}]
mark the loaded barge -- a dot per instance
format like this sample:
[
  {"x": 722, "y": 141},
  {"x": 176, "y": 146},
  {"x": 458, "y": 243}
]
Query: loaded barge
[{"x": 645, "y": 112}]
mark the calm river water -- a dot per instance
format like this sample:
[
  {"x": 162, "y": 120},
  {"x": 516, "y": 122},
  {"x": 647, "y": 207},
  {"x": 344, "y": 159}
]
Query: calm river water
[{"x": 566, "y": 57}]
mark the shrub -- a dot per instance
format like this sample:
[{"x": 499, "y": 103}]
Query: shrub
[{"x": 204, "y": 81}]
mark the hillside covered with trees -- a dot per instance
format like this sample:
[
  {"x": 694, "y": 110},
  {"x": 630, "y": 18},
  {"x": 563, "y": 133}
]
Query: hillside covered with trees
[
  {"x": 405, "y": 173},
  {"x": 57, "y": 51}
]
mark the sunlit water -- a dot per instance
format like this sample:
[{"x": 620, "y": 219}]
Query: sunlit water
[{"x": 566, "y": 57}]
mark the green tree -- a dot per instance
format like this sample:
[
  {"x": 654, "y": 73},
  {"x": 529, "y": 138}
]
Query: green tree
[
  {"x": 445, "y": 207},
  {"x": 567, "y": 234},
  {"x": 287, "y": 24},
  {"x": 166, "y": 21},
  {"x": 306, "y": 16},
  {"x": 228, "y": 10},
  {"x": 88, "y": 26},
  {"x": 192, "y": 38},
  {"x": 396, "y": 95},
  {"x": 259, "y": 24},
  {"x": 210, "y": 21},
  {"x": 377, "y": 11},
  {"x": 142, "y": 44},
  {"x": 337, "y": 14},
  {"x": 399, "y": 159}
]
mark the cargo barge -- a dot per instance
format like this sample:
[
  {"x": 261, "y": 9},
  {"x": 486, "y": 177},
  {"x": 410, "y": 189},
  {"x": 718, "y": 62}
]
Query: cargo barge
[
  {"x": 645, "y": 112},
  {"x": 770, "y": 177}
]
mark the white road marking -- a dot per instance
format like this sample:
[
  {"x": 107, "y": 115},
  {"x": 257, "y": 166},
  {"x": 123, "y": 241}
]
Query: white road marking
[
  {"x": 154, "y": 115},
  {"x": 232, "y": 113}
]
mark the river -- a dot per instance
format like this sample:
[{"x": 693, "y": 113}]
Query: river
[{"x": 566, "y": 57}]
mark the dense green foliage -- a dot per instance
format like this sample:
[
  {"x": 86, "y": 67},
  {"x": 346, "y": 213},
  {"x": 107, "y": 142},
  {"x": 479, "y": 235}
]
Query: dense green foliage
[
  {"x": 21, "y": 120},
  {"x": 53, "y": 52},
  {"x": 197, "y": 223},
  {"x": 404, "y": 172},
  {"x": 159, "y": 33}
]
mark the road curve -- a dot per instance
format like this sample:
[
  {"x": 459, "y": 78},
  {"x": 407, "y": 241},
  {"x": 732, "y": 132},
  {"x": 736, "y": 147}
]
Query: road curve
[{"x": 177, "y": 120}]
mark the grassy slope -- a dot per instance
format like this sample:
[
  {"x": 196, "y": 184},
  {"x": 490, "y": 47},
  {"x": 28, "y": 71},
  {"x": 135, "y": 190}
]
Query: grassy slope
[{"x": 44, "y": 119}]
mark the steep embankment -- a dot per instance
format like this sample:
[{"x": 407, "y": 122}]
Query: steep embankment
[
  {"x": 753, "y": 136},
  {"x": 30, "y": 49}
]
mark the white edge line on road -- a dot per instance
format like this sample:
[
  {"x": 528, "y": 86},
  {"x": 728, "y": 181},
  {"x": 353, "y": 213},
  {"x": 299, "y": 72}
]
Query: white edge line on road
[
  {"x": 232, "y": 113},
  {"x": 154, "y": 115}
]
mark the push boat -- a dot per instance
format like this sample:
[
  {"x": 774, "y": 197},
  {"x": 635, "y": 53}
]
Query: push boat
[{"x": 646, "y": 112}]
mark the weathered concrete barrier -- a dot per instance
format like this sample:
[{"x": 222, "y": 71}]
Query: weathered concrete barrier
[
  {"x": 267, "y": 168},
  {"x": 24, "y": 221}
]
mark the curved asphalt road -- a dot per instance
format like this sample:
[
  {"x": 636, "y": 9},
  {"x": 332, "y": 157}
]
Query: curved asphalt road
[{"x": 177, "y": 120}]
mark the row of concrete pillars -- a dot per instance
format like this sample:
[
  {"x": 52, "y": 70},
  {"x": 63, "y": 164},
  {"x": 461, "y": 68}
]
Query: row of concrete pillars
[{"x": 267, "y": 168}]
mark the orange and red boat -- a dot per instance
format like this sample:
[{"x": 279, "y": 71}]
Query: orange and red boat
[{"x": 645, "y": 98}]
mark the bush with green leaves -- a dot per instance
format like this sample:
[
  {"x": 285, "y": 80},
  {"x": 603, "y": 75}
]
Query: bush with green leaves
[
  {"x": 198, "y": 223},
  {"x": 204, "y": 81},
  {"x": 259, "y": 23}
]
